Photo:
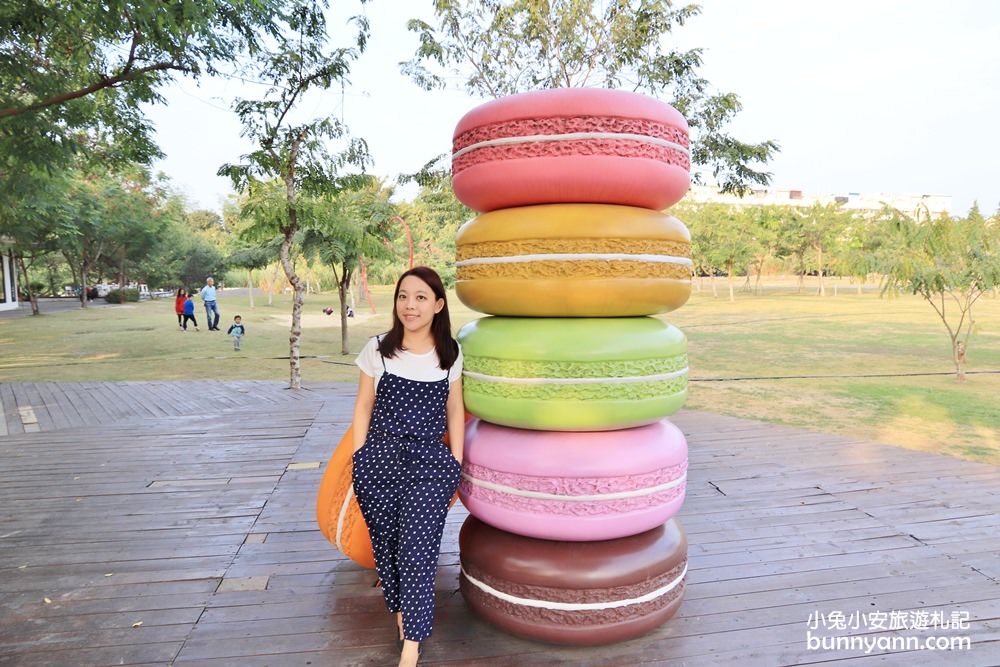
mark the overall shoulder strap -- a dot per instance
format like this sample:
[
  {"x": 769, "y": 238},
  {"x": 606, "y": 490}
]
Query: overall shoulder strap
[{"x": 378, "y": 342}]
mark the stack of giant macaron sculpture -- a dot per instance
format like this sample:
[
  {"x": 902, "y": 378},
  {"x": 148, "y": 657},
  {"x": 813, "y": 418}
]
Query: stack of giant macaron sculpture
[{"x": 572, "y": 473}]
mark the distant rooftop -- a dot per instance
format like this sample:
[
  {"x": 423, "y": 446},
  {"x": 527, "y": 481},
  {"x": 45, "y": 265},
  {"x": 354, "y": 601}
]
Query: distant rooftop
[{"x": 905, "y": 202}]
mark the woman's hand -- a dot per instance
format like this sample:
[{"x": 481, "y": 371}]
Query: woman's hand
[{"x": 455, "y": 409}]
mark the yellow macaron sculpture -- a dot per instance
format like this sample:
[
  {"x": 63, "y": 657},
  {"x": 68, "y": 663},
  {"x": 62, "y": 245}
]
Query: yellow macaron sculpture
[
  {"x": 573, "y": 260},
  {"x": 570, "y": 258}
]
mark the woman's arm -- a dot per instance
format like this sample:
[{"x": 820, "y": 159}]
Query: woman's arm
[
  {"x": 363, "y": 406},
  {"x": 456, "y": 420}
]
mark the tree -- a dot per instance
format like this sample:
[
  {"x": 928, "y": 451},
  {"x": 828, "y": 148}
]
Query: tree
[
  {"x": 199, "y": 258},
  {"x": 762, "y": 223},
  {"x": 83, "y": 241},
  {"x": 794, "y": 243},
  {"x": 295, "y": 152},
  {"x": 252, "y": 258},
  {"x": 860, "y": 244},
  {"x": 69, "y": 66},
  {"x": 353, "y": 226},
  {"x": 821, "y": 227},
  {"x": 735, "y": 244},
  {"x": 134, "y": 221},
  {"x": 434, "y": 218},
  {"x": 721, "y": 240},
  {"x": 950, "y": 262},
  {"x": 36, "y": 219},
  {"x": 500, "y": 48}
]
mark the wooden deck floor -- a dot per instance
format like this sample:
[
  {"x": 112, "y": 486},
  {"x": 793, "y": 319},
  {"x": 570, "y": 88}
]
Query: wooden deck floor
[{"x": 178, "y": 529}]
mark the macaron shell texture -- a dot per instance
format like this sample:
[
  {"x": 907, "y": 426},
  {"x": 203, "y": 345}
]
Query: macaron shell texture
[
  {"x": 337, "y": 512},
  {"x": 631, "y": 181},
  {"x": 573, "y": 374},
  {"x": 574, "y": 486},
  {"x": 579, "y": 593},
  {"x": 571, "y": 145},
  {"x": 573, "y": 260}
]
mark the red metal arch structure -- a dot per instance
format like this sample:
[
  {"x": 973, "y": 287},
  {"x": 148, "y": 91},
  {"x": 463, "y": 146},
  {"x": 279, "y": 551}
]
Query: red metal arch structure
[{"x": 364, "y": 270}]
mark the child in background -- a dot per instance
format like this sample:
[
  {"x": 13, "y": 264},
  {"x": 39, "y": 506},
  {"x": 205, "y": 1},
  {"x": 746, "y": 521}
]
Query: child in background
[
  {"x": 189, "y": 314},
  {"x": 237, "y": 331}
]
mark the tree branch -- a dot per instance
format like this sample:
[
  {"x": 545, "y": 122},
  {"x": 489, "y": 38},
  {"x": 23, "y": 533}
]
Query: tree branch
[{"x": 126, "y": 74}]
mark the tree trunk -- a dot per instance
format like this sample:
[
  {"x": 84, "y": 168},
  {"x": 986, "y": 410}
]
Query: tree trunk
[
  {"x": 122, "y": 278},
  {"x": 342, "y": 285},
  {"x": 819, "y": 271},
  {"x": 959, "y": 355},
  {"x": 294, "y": 364},
  {"x": 729, "y": 271},
  {"x": 250, "y": 285},
  {"x": 84, "y": 271},
  {"x": 271, "y": 286},
  {"x": 32, "y": 299}
]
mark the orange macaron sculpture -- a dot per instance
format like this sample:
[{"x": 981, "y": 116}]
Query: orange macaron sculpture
[
  {"x": 573, "y": 260},
  {"x": 337, "y": 511}
]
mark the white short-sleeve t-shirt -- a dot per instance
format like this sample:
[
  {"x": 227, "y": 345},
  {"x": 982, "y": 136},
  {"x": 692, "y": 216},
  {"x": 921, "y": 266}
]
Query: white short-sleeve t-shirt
[{"x": 420, "y": 367}]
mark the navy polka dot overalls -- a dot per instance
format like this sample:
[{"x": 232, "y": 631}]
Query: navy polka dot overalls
[{"x": 404, "y": 479}]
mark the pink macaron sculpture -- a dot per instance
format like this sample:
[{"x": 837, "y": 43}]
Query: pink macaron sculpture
[
  {"x": 571, "y": 145},
  {"x": 563, "y": 485},
  {"x": 573, "y": 475}
]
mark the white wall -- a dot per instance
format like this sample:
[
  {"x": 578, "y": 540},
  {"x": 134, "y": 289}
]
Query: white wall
[{"x": 8, "y": 280}]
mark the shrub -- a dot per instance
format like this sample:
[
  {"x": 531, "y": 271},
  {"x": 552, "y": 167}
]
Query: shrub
[{"x": 122, "y": 295}]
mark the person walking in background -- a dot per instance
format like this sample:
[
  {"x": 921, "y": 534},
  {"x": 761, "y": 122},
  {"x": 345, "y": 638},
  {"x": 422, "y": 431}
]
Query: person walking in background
[
  {"x": 189, "y": 314},
  {"x": 237, "y": 331},
  {"x": 179, "y": 308},
  {"x": 208, "y": 296}
]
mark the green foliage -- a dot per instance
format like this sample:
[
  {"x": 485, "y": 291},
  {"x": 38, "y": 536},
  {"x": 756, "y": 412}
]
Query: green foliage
[
  {"x": 950, "y": 262},
  {"x": 500, "y": 48},
  {"x": 196, "y": 259},
  {"x": 90, "y": 66},
  {"x": 122, "y": 295},
  {"x": 433, "y": 219}
]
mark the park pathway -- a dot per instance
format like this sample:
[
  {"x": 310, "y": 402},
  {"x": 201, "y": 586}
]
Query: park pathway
[{"x": 172, "y": 523}]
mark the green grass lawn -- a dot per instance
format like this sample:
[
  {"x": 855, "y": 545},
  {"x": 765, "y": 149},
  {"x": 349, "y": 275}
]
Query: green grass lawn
[{"x": 850, "y": 364}]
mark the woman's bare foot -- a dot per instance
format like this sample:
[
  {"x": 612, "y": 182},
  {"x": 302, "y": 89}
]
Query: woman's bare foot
[{"x": 410, "y": 654}]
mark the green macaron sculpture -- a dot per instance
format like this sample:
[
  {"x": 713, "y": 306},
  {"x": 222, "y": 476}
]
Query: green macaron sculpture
[{"x": 573, "y": 374}]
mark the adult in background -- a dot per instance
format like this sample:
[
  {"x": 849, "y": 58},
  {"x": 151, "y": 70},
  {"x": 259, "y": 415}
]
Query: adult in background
[{"x": 208, "y": 296}]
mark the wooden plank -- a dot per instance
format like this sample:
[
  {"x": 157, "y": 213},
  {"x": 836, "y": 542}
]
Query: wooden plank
[{"x": 188, "y": 495}]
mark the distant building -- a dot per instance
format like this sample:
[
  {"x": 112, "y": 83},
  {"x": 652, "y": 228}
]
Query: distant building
[
  {"x": 905, "y": 203},
  {"x": 8, "y": 277}
]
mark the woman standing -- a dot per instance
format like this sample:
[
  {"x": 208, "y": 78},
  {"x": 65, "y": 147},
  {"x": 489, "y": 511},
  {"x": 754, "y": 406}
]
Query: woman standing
[
  {"x": 409, "y": 396},
  {"x": 179, "y": 307}
]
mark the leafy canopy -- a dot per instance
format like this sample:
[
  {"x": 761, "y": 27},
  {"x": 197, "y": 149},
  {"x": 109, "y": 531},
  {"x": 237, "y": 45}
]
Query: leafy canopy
[
  {"x": 69, "y": 65},
  {"x": 497, "y": 48}
]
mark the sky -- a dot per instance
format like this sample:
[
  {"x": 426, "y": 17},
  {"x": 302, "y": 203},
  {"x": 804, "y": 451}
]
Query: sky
[{"x": 874, "y": 96}]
